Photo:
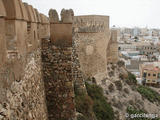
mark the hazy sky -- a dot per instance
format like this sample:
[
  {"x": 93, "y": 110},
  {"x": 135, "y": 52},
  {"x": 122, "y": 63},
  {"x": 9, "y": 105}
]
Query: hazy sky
[{"x": 123, "y": 13}]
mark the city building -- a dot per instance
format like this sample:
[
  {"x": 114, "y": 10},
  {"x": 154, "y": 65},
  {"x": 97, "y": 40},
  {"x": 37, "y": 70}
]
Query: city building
[
  {"x": 150, "y": 73},
  {"x": 146, "y": 48}
]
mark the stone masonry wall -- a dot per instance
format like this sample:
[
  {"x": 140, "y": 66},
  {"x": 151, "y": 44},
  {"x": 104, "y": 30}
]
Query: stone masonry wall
[
  {"x": 57, "y": 75},
  {"x": 57, "y": 67},
  {"x": 23, "y": 97}
]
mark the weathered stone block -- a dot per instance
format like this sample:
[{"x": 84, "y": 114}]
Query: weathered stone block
[
  {"x": 67, "y": 16},
  {"x": 44, "y": 19},
  {"x": 30, "y": 13},
  {"x": 53, "y": 16},
  {"x": 38, "y": 16},
  {"x": 13, "y": 9},
  {"x": 61, "y": 34},
  {"x": 24, "y": 11}
]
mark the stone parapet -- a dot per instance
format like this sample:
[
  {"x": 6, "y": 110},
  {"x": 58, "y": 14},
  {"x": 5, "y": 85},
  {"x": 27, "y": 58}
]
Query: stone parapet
[
  {"x": 91, "y": 24},
  {"x": 38, "y": 16},
  {"x": 53, "y": 16},
  {"x": 24, "y": 11},
  {"x": 44, "y": 19},
  {"x": 31, "y": 15},
  {"x": 67, "y": 16}
]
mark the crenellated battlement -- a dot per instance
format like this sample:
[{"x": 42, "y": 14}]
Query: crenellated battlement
[
  {"x": 91, "y": 24},
  {"x": 61, "y": 31},
  {"x": 24, "y": 27}
]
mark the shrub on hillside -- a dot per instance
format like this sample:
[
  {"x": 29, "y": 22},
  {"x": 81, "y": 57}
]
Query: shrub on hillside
[
  {"x": 101, "y": 108},
  {"x": 113, "y": 67},
  {"x": 121, "y": 76},
  {"x": 111, "y": 73},
  {"x": 120, "y": 63},
  {"x": 84, "y": 105},
  {"x": 111, "y": 87},
  {"x": 118, "y": 84},
  {"x": 131, "y": 80},
  {"x": 149, "y": 94},
  {"x": 126, "y": 90}
]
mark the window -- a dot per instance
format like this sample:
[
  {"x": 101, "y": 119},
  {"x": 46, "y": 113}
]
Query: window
[
  {"x": 158, "y": 75},
  {"x": 28, "y": 27},
  {"x": 154, "y": 75},
  {"x": 34, "y": 34},
  {"x": 153, "y": 81},
  {"x": 144, "y": 75},
  {"x": 149, "y": 74},
  {"x": 148, "y": 80}
]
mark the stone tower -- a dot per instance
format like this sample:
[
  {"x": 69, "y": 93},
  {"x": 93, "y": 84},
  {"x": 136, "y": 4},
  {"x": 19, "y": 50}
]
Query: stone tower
[
  {"x": 57, "y": 67},
  {"x": 91, "y": 37},
  {"x": 112, "y": 49}
]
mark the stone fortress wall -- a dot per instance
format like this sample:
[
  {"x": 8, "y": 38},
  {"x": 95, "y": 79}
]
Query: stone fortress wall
[
  {"x": 22, "y": 92},
  {"x": 41, "y": 58}
]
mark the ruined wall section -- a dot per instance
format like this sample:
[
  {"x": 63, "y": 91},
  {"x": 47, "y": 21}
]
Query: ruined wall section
[
  {"x": 22, "y": 93},
  {"x": 57, "y": 68},
  {"x": 112, "y": 49},
  {"x": 91, "y": 37}
]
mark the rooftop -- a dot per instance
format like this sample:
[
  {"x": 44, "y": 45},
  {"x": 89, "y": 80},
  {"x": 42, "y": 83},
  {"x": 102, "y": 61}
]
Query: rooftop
[{"x": 155, "y": 66}]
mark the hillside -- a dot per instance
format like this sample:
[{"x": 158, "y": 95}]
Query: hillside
[{"x": 122, "y": 95}]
